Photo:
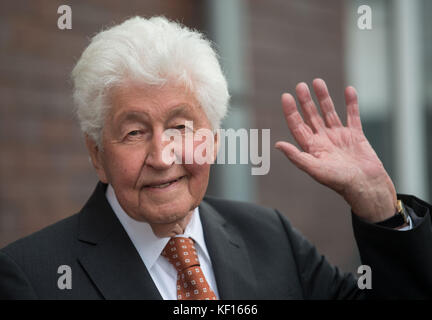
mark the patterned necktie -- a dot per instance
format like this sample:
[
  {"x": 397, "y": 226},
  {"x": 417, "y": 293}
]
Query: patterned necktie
[{"x": 191, "y": 283}]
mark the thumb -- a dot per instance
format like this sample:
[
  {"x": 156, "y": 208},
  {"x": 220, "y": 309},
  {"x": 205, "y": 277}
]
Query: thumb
[{"x": 302, "y": 160}]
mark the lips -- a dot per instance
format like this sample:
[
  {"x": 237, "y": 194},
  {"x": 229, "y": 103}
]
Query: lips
[{"x": 162, "y": 184}]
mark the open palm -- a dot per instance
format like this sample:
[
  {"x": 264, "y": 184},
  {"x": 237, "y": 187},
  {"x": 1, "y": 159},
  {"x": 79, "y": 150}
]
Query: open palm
[{"x": 335, "y": 155}]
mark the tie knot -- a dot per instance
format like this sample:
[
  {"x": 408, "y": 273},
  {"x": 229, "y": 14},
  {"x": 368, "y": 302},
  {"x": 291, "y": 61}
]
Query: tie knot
[{"x": 181, "y": 253}]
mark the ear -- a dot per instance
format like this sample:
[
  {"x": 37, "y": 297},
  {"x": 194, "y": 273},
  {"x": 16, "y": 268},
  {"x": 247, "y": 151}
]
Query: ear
[{"x": 96, "y": 158}]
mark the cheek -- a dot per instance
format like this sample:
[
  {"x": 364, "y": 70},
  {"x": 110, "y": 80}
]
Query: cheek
[
  {"x": 198, "y": 178},
  {"x": 123, "y": 167},
  {"x": 198, "y": 170},
  {"x": 198, "y": 150}
]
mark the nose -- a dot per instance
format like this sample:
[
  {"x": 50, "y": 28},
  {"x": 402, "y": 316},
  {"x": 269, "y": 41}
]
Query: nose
[{"x": 158, "y": 156}]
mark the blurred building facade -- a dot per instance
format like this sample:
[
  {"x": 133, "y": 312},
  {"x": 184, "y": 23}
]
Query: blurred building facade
[{"x": 266, "y": 48}]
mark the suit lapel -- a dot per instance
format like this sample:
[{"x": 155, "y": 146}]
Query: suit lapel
[
  {"x": 235, "y": 278},
  {"x": 108, "y": 255}
]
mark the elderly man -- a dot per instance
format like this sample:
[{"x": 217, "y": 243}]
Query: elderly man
[{"x": 148, "y": 232}]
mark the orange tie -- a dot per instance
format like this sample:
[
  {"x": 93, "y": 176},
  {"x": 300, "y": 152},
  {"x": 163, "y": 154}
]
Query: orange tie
[{"x": 191, "y": 283}]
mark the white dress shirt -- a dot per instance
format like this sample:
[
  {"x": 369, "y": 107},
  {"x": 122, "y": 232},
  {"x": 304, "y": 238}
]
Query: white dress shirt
[
  {"x": 150, "y": 247},
  {"x": 408, "y": 227}
]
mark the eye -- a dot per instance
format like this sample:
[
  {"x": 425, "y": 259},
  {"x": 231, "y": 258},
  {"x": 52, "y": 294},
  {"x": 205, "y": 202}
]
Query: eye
[
  {"x": 134, "y": 133},
  {"x": 180, "y": 127}
]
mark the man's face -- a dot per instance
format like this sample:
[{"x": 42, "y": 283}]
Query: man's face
[{"x": 148, "y": 188}]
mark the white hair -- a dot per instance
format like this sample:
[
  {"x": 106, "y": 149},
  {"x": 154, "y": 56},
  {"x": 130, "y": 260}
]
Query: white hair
[{"x": 152, "y": 51}]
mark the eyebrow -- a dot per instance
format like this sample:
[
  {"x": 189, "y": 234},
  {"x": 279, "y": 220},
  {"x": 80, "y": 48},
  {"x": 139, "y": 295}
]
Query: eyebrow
[
  {"x": 131, "y": 116},
  {"x": 180, "y": 110}
]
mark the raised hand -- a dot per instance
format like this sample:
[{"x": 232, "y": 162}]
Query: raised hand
[{"x": 335, "y": 155}]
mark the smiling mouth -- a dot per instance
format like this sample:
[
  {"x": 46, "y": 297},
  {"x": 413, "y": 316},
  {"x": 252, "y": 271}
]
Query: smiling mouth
[{"x": 164, "y": 184}]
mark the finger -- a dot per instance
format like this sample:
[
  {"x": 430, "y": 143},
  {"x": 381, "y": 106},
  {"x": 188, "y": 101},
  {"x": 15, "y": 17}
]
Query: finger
[
  {"x": 353, "y": 113},
  {"x": 302, "y": 160},
  {"x": 300, "y": 130},
  {"x": 331, "y": 118},
  {"x": 310, "y": 112}
]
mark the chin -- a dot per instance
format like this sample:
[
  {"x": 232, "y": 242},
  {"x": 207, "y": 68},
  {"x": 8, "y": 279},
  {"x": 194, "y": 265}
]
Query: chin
[{"x": 165, "y": 214}]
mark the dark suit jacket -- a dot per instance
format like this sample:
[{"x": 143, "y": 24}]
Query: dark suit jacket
[{"x": 255, "y": 253}]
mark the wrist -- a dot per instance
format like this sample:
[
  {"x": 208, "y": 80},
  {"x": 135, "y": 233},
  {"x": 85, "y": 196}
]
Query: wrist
[
  {"x": 374, "y": 212},
  {"x": 399, "y": 220},
  {"x": 373, "y": 203}
]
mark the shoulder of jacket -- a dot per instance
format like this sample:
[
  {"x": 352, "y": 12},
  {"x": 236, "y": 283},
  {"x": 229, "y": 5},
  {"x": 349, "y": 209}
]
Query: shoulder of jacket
[
  {"x": 48, "y": 237},
  {"x": 235, "y": 209}
]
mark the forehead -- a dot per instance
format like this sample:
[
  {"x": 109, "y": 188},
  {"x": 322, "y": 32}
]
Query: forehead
[{"x": 153, "y": 102}]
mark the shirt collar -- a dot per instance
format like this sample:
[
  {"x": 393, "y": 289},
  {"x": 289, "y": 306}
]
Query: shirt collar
[{"x": 148, "y": 245}]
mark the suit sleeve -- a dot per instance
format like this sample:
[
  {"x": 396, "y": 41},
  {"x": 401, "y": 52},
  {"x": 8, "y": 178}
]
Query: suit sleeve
[
  {"x": 401, "y": 261},
  {"x": 319, "y": 279},
  {"x": 14, "y": 284}
]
